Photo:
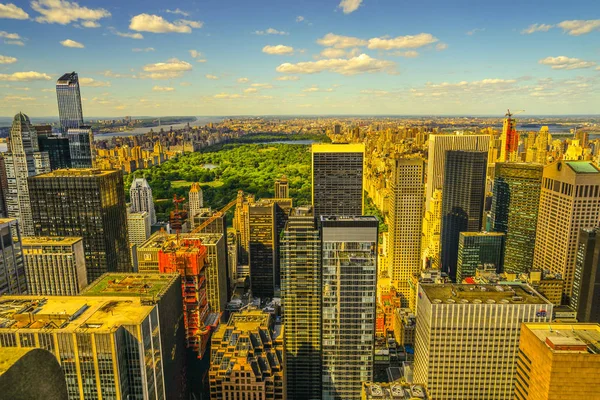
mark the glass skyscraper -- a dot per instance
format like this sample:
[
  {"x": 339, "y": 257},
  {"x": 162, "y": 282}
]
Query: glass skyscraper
[
  {"x": 81, "y": 141},
  {"x": 69, "y": 102}
]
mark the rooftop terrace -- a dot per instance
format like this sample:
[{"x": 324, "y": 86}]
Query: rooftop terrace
[{"x": 128, "y": 284}]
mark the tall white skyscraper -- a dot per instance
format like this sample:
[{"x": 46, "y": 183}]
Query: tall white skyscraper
[
  {"x": 438, "y": 146},
  {"x": 140, "y": 194},
  {"x": 23, "y": 160},
  {"x": 195, "y": 201}
]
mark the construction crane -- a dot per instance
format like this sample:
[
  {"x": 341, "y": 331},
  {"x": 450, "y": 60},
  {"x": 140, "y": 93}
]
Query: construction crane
[
  {"x": 177, "y": 216},
  {"x": 509, "y": 114},
  {"x": 212, "y": 218}
]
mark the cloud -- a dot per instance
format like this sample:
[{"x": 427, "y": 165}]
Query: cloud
[
  {"x": 201, "y": 60},
  {"x": 402, "y": 42},
  {"x": 340, "y": 42},
  {"x": 163, "y": 89},
  {"x": 211, "y": 77},
  {"x": 315, "y": 88},
  {"x": 279, "y": 49},
  {"x": 178, "y": 11},
  {"x": 64, "y": 12},
  {"x": 474, "y": 31},
  {"x": 331, "y": 52},
  {"x": 578, "y": 27},
  {"x": 228, "y": 96},
  {"x": 355, "y": 65},
  {"x": 407, "y": 54},
  {"x": 25, "y": 76},
  {"x": 110, "y": 74},
  {"x": 130, "y": 35},
  {"x": 287, "y": 78},
  {"x": 11, "y": 11},
  {"x": 566, "y": 63},
  {"x": 441, "y": 46},
  {"x": 15, "y": 42},
  {"x": 18, "y": 98},
  {"x": 173, "y": 68},
  {"x": 536, "y": 28},
  {"x": 7, "y": 60},
  {"x": 185, "y": 84},
  {"x": 195, "y": 53},
  {"x": 299, "y": 18},
  {"x": 143, "y": 50},
  {"x": 251, "y": 90},
  {"x": 270, "y": 31},
  {"x": 374, "y": 92},
  {"x": 72, "y": 43},
  {"x": 157, "y": 24},
  {"x": 262, "y": 85},
  {"x": 48, "y": 90},
  {"x": 90, "y": 24},
  {"x": 349, "y": 6},
  {"x": 89, "y": 82},
  {"x": 6, "y": 35},
  {"x": 243, "y": 80}
]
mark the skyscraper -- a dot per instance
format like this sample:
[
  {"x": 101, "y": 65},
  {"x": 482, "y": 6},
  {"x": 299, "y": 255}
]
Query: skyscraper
[
  {"x": 140, "y": 194},
  {"x": 263, "y": 252},
  {"x": 23, "y": 160},
  {"x": 89, "y": 203},
  {"x": 81, "y": 146},
  {"x": 3, "y": 187},
  {"x": 349, "y": 286},
  {"x": 138, "y": 227},
  {"x": 467, "y": 339},
  {"x": 438, "y": 146},
  {"x": 195, "y": 202},
  {"x": 406, "y": 221},
  {"x": 515, "y": 207},
  {"x": 337, "y": 179},
  {"x": 301, "y": 293},
  {"x": 282, "y": 188},
  {"x": 55, "y": 266},
  {"x": 510, "y": 139},
  {"x": 57, "y": 147},
  {"x": 569, "y": 201},
  {"x": 13, "y": 279},
  {"x": 463, "y": 199},
  {"x": 432, "y": 225},
  {"x": 477, "y": 249},
  {"x": 69, "y": 102},
  {"x": 585, "y": 298}
]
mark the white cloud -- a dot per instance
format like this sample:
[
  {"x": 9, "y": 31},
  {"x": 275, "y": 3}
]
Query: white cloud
[
  {"x": 157, "y": 24},
  {"x": 331, "y": 52},
  {"x": 407, "y": 54},
  {"x": 474, "y": 31},
  {"x": 243, "y": 80},
  {"x": 270, "y": 31},
  {"x": 178, "y": 11},
  {"x": 299, "y": 18},
  {"x": 15, "y": 42},
  {"x": 315, "y": 88},
  {"x": 163, "y": 89},
  {"x": 64, "y": 12},
  {"x": 566, "y": 63},
  {"x": 18, "y": 98},
  {"x": 340, "y": 42},
  {"x": 72, "y": 43},
  {"x": 27, "y": 76},
  {"x": 287, "y": 78},
  {"x": 211, "y": 77},
  {"x": 130, "y": 35},
  {"x": 227, "y": 96},
  {"x": 262, "y": 85},
  {"x": 143, "y": 50},
  {"x": 374, "y": 92},
  {"x": 201, "y": 60},
  {"x": 48, "y": 90},
  {"x": 279, "y": 49},
  {"x": 441, "y": 46},
  {"x": 597, "y": 68},
  {"x": 90, "y": 24},
  {"x": 536, "y": 28},
  {"x": 578, "y": 27},
  {"x": 349, "y": 6},
  {"x": 7, "y": 60},
  {"x": 356, "y": 65},
  {"x": 402, "y": 42},
  {"x": 89, "y": 82},
  {"x": 251, "y": 90},
  {"x": 6, "y": 35},
  {"x": 11, "y": 11},
  {"x": 173, "y": 68},
  {"x": 195, "y": 53},
  {"x": 110, "y": 74}
]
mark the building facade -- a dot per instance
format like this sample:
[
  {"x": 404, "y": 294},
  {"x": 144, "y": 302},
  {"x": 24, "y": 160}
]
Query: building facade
[
  {"x": 195, "y": 202},
  {"x": 13, "y": 279},
  {"x": 282, "y": 188},
  {"x": 585, "y": 298},
  {"x": 68, "y": 95},
  {"x": 476, "y": 249},
  {"x": 56, "y": 146},
  {"x": 81, "y": 146},
  {"x": 348, "y": 305},
  {"x": 138, "y": 227},
  {"x": 263, "y": 243},
  {"x": 140, "y": 194}
]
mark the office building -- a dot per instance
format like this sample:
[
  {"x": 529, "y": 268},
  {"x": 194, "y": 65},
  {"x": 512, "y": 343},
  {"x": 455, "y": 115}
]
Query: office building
[
  {"x": 241, "y": 226},
  {"x": 107, "y": 347},
  {"x": 147, "y": 252},
  {"x": 510, "y": 139},
  {"x": 54, "y": 266},
  {"x": 463, "y": 199},
  {"x": 282, "y": 188},
  {"x": 515, "y": 207},
  {"x": 558, "y": 361},
  {"x": 22, "y": 160},
  {"x": 585, "y": 298},
  {"x": 81, "y": 146},
  {"x": 393, "y": 391},
  {"x": 247, "y": 359},
  {"x": 263, "y": 243},
  {"x": 138, "y": 227},
  {"x": 349, "y": 286},
  {"x": 569, "y": 201},
  {"x": 216, "y": 269},
  {"x": 163, "y": 291},
  {"x": 89, "y": 203},
  {"x": 69, "y": 102},
  {"x": 476, "y": 249},
  {"x": 195, "y": 203},
  {"x": 13, "y": 279},
  {"x": 301, "y": 296},
  {"x": 337, "y": 179},
  {"x": 140, "y": 194},
  {"x": 436, "y": 162},
  {"x": 432, "y": 225},
  {"x": 56, "y": 146},
  {"x": 3, "y": 187},
  {"x": 407, "y": 203},
  {"x": 467, "y": 338}
]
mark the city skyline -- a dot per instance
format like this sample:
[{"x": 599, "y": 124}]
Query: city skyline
[{"x": 314, "y": 58}]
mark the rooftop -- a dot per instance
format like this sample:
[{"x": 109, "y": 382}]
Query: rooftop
[
  {"x": 7, "y": 221},
  {"x": 568, "y": 337},
  {"x": 394, "y": 391},
  {"x": 485, "y": 233},
  {"x": 338, "y": 148},
  {"x": 50, "y": 240},
  {"x": 583, "y": 167},
  {"x": 143, "y": 285},
  {"x": 450, "y": 293},
  {"x": 76, "y": 172}
]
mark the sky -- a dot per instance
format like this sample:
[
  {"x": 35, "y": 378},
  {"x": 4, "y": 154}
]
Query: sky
[{"x": 302, "y": 57}]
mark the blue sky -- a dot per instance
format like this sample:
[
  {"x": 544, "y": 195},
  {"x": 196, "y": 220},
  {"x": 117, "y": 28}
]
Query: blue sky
[{"x": 268, "y": 57}]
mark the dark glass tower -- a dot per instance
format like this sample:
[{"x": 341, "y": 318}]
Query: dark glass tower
[
  {"x": 263, "y": 242},
  {"x": 301, "y": 293},
  {"x": 69, "y": 102},
  {"x": 88, "y": 203},
  {"x": 463, "y": 198},
  {"x": 81, "y": 141},
  {"x": 476, "y": 249},
  {"x": 515, "y": 207},
  {"x": 57, "y": 147},
  {"x": 585, "y": 298}
]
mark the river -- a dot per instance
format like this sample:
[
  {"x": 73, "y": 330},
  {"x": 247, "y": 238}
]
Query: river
[{"x": 200, "y": 121}]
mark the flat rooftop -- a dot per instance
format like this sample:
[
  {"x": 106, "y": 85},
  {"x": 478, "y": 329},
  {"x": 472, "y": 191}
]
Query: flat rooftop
[
  {"x": 160, "y": 239},
  {"x": 129, "y": 284},
  {"x": 70, "y": 313},
  {"x": 583, "y": 167},
  {"x": 571, "y": 335},
  {"x": 76, "y": 173},
  {"x": 485, "y": 233},
  {"x": 50, "y": 240},
  {"x": 450, "y": 293},
  {"x": 338, "y": 148},
  {"x": 394, "y": 391}
]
